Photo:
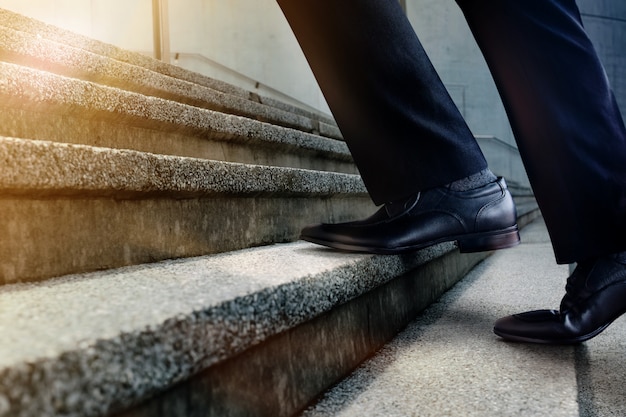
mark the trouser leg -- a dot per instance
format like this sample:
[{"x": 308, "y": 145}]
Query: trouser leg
[
  {"x": 401, "y": 126},
  {"x": 565, "y": 119}
]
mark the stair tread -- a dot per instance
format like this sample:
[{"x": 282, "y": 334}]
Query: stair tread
[
  {"x": 449, "y": 362},
  {"x": 33, "y": 166},
  {"x": 23, "y": 87},
  {"x": 139, "y": 329},
  {"x": 46, "y": 31},
  {"x": 30, "y": 50}
]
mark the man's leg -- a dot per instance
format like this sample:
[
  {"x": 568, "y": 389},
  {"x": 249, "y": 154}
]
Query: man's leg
[
  {"x": 403, "y": 130},
  {"x": 572, "y": 139},
  {"x": 566, "y": 122},
  {"x": 401, "y": 126}
]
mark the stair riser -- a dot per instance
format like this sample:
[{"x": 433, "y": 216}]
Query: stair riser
[
  {"x": 45, "y": 238},
  {"x": 284, "y": 374},
  {"x": 28, "y": 50},
  {"x": 43, "y": 31},
  {"x": 162, "y": 139},
  {"x": 52, "y": 97},
  {"x": 287, "y": 372}
]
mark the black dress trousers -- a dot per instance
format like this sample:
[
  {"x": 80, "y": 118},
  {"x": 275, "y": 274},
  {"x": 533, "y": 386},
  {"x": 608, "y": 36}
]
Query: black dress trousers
[
  {"x": 406, "y": 135},
  {"x": 403, "y": 129}
]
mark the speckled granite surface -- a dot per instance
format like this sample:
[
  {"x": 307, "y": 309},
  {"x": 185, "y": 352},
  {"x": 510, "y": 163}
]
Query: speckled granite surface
[
  {"x": 31, "y": 50},
  {"x": 35, "y": 90},
  {"x": 48, "y": 167},
  {"x": 45, "y": 31},
  {"x": 81, "y": 345},
  {"x": 448, "y": 362},
  {"x": 75, "y": 208}
]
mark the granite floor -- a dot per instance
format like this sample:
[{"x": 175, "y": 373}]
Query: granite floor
[{"x": 448, "y": 362}]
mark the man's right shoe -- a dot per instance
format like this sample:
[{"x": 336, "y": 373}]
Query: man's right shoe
[
  {"x": 478, "y": 220},
  {"x": 595, "y": 295}
]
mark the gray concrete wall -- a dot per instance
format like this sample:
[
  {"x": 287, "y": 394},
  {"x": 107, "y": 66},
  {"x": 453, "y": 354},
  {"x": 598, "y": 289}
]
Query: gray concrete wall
[
  {"x": 454, "y": 53},
  {"x": 248, "y": 36},
  {"x": 605, "y": 21},
  {"x": 451, "y": 47},
  {"x": 450, "y": 44}
]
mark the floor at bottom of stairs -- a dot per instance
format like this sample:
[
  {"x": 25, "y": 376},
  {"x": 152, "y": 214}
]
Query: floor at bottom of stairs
[{"x": 449, "y": 363}]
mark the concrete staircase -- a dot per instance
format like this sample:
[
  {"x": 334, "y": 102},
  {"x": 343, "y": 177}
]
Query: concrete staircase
[{"x": 148, "y": 254}]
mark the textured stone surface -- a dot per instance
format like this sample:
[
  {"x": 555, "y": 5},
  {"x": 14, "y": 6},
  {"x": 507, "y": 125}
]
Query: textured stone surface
[
  {"x": 56, "y": 96},
  {"x": 34, "y": 27},
  {"x": 32, "y": 167},
  {"x": 281, "y": 375},
  {"x": 29, "y": 50},
  {"x": 448, "y": 361},
  {"x": 74, "y": 208},
  {"x": 107, "y": 339},
  {"x": 76, "y": 129},
  {"x": 600, "y": 371},
  {"x": 42, "y": 238}
]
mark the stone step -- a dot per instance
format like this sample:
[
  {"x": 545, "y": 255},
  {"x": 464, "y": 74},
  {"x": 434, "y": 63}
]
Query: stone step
[
  {"x": 72, "y": 47},
  {"x": 129, "y": 174},
  {"x": 449, "y": 362},
  {"x": 32, "y": 51},
  {"x": 260, "y": 331},
  {"x": 40, "y": 105},
  {"x": 73, "y": 208}
]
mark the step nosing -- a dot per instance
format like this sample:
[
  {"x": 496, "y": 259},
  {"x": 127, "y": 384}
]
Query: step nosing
[
  {"x": 33, "y": 27},
  {"x": 34, "y": 165},
  {"x": 74, "y": 62},
  {"x": 162, "y": 323},
  {"x": 74, "y": 96}
]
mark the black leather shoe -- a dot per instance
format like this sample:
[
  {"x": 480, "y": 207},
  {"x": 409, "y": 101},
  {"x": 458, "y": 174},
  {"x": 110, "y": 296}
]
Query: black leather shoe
[
  {"x": 478, "y": 220},
  {"x": 595, "y": 295}
]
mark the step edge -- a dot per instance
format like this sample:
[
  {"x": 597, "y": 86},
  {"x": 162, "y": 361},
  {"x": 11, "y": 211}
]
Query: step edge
[
  {"x": 63, "y": 95},
  {"x": 290, "y": 303},
  {"x": 25, "y": 24},
  {"x": 27, "y": 50},
  {"x": 33, "y": 167}
]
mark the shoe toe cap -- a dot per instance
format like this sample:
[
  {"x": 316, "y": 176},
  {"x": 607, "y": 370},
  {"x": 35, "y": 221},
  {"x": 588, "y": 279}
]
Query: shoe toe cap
[{"x": 531, "y": 326}]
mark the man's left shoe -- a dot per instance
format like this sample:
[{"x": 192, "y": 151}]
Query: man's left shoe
[
  {"x": 595, "y": 296},
  {"x": 480, "y": 219}
]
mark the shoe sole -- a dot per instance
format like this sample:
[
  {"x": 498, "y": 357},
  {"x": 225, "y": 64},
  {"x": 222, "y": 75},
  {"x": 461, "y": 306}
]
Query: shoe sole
[
  {"x": 571, "y": 341},
  {"x": 467, "y": 243}
]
